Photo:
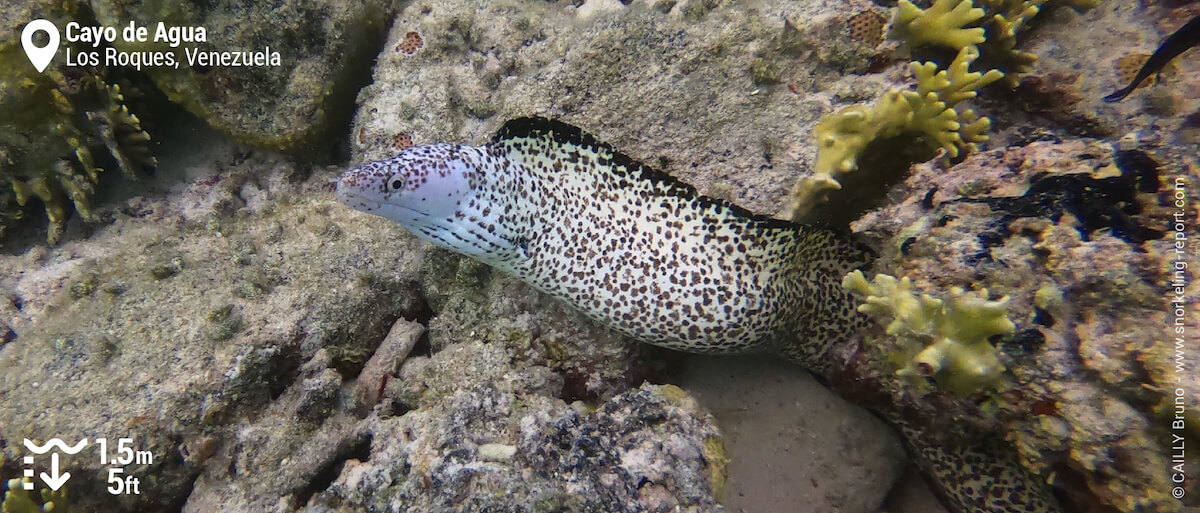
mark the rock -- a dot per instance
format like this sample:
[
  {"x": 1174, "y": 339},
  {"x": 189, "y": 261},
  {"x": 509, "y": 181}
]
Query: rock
[
  {"x": 646, "y": 449},
  {"x": 495, "y": 432},
  {"x": 324, "y": 50},
  {"x": 1083, "y": 59},
  {"x": 673, "y": 89},
  {"x": 177, "y": 360},
  {"x": 790, "y": 440},
  {"x": 1090, "y": 377},
  {"x": 240, "y": 369},
  {"x": 232, "y": 325}
]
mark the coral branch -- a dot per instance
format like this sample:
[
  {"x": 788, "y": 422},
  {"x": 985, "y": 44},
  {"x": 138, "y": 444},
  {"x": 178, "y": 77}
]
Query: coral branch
[
  {"x": 927, "y": 115},
  {"x": 946, "y": 340},
  {"x": 943, "y": 24}
]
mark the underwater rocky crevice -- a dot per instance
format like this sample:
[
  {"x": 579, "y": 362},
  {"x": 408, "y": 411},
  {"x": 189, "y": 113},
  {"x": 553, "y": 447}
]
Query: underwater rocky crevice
[
  {"x": 356, "y": 448},
  {"x": 884, "y": 163}
]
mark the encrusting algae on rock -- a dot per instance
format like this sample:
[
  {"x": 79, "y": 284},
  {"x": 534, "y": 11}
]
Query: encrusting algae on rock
[{"x": 1066, "y": 234}]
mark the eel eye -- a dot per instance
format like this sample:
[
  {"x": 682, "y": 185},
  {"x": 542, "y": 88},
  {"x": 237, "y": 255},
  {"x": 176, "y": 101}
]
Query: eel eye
[{"x": 396, "y": 184}]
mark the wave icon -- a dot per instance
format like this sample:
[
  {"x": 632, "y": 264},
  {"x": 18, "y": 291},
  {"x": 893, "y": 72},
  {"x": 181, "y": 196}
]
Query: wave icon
[{"x": 54, "y": 443}]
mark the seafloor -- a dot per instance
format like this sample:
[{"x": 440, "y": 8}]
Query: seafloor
[{"x": 275, "y": 350}]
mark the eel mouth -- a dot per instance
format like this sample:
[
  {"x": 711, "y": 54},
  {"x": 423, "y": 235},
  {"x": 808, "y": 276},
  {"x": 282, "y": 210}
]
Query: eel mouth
[{"x": 353, "y": 198}]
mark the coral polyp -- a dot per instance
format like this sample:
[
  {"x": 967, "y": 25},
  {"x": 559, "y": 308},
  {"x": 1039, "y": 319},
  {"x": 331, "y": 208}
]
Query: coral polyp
[{"x": 53, "y": 124}]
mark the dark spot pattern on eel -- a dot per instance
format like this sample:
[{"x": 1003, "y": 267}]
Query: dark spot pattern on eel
[{"x": 645, "y": 254}]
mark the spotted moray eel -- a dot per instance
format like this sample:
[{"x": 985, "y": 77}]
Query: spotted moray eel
[{"x": 645, "y": 254}]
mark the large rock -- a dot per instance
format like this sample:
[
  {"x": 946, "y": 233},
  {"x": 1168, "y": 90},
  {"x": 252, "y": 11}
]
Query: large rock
[
  {"x": 721, "y": 95},
  {"x": 500, "y": 442},
  {"x": 325, "y": 53},
  {"x": 187, "y": 313},
  {"x": 469, "y": 428},
  {"x": 227, "y": 325},
  {"x": 789, "y": 439},
  {"x": 1075, "y": 235}
]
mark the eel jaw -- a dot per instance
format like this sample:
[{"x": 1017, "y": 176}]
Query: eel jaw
[{"x": 407, "y": 217}]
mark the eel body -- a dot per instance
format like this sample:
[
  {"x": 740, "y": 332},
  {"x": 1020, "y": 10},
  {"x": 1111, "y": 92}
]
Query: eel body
[
  {"x": 629, "y": 246},
  {"x": 648, "y": 256}
]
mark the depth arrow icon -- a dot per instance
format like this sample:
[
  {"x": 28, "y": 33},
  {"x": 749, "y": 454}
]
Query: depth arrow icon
[{"x": 55, "y": 481}]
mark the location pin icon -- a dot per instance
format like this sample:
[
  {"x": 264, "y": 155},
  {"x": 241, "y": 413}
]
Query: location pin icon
[{"x": 40, "y": 57}]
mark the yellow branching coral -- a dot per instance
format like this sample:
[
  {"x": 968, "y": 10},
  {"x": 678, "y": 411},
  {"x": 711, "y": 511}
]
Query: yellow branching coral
[
  {"x": 993, "y": 25},
  {"x": 943, "y": 24},
  {"x": 946, "y": 340},
  {"x": 57, "y": 128},
  {"x": 19, "y": 500},
  {"x": 930, "y": 114},
  {"x": 927, "y": 114},
  {"x": 1007, "y": 19},
  {"x": 1012, "y": 8},
  {"x": 47, "y": 139},
  {"x": 957, "y": 82}
]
